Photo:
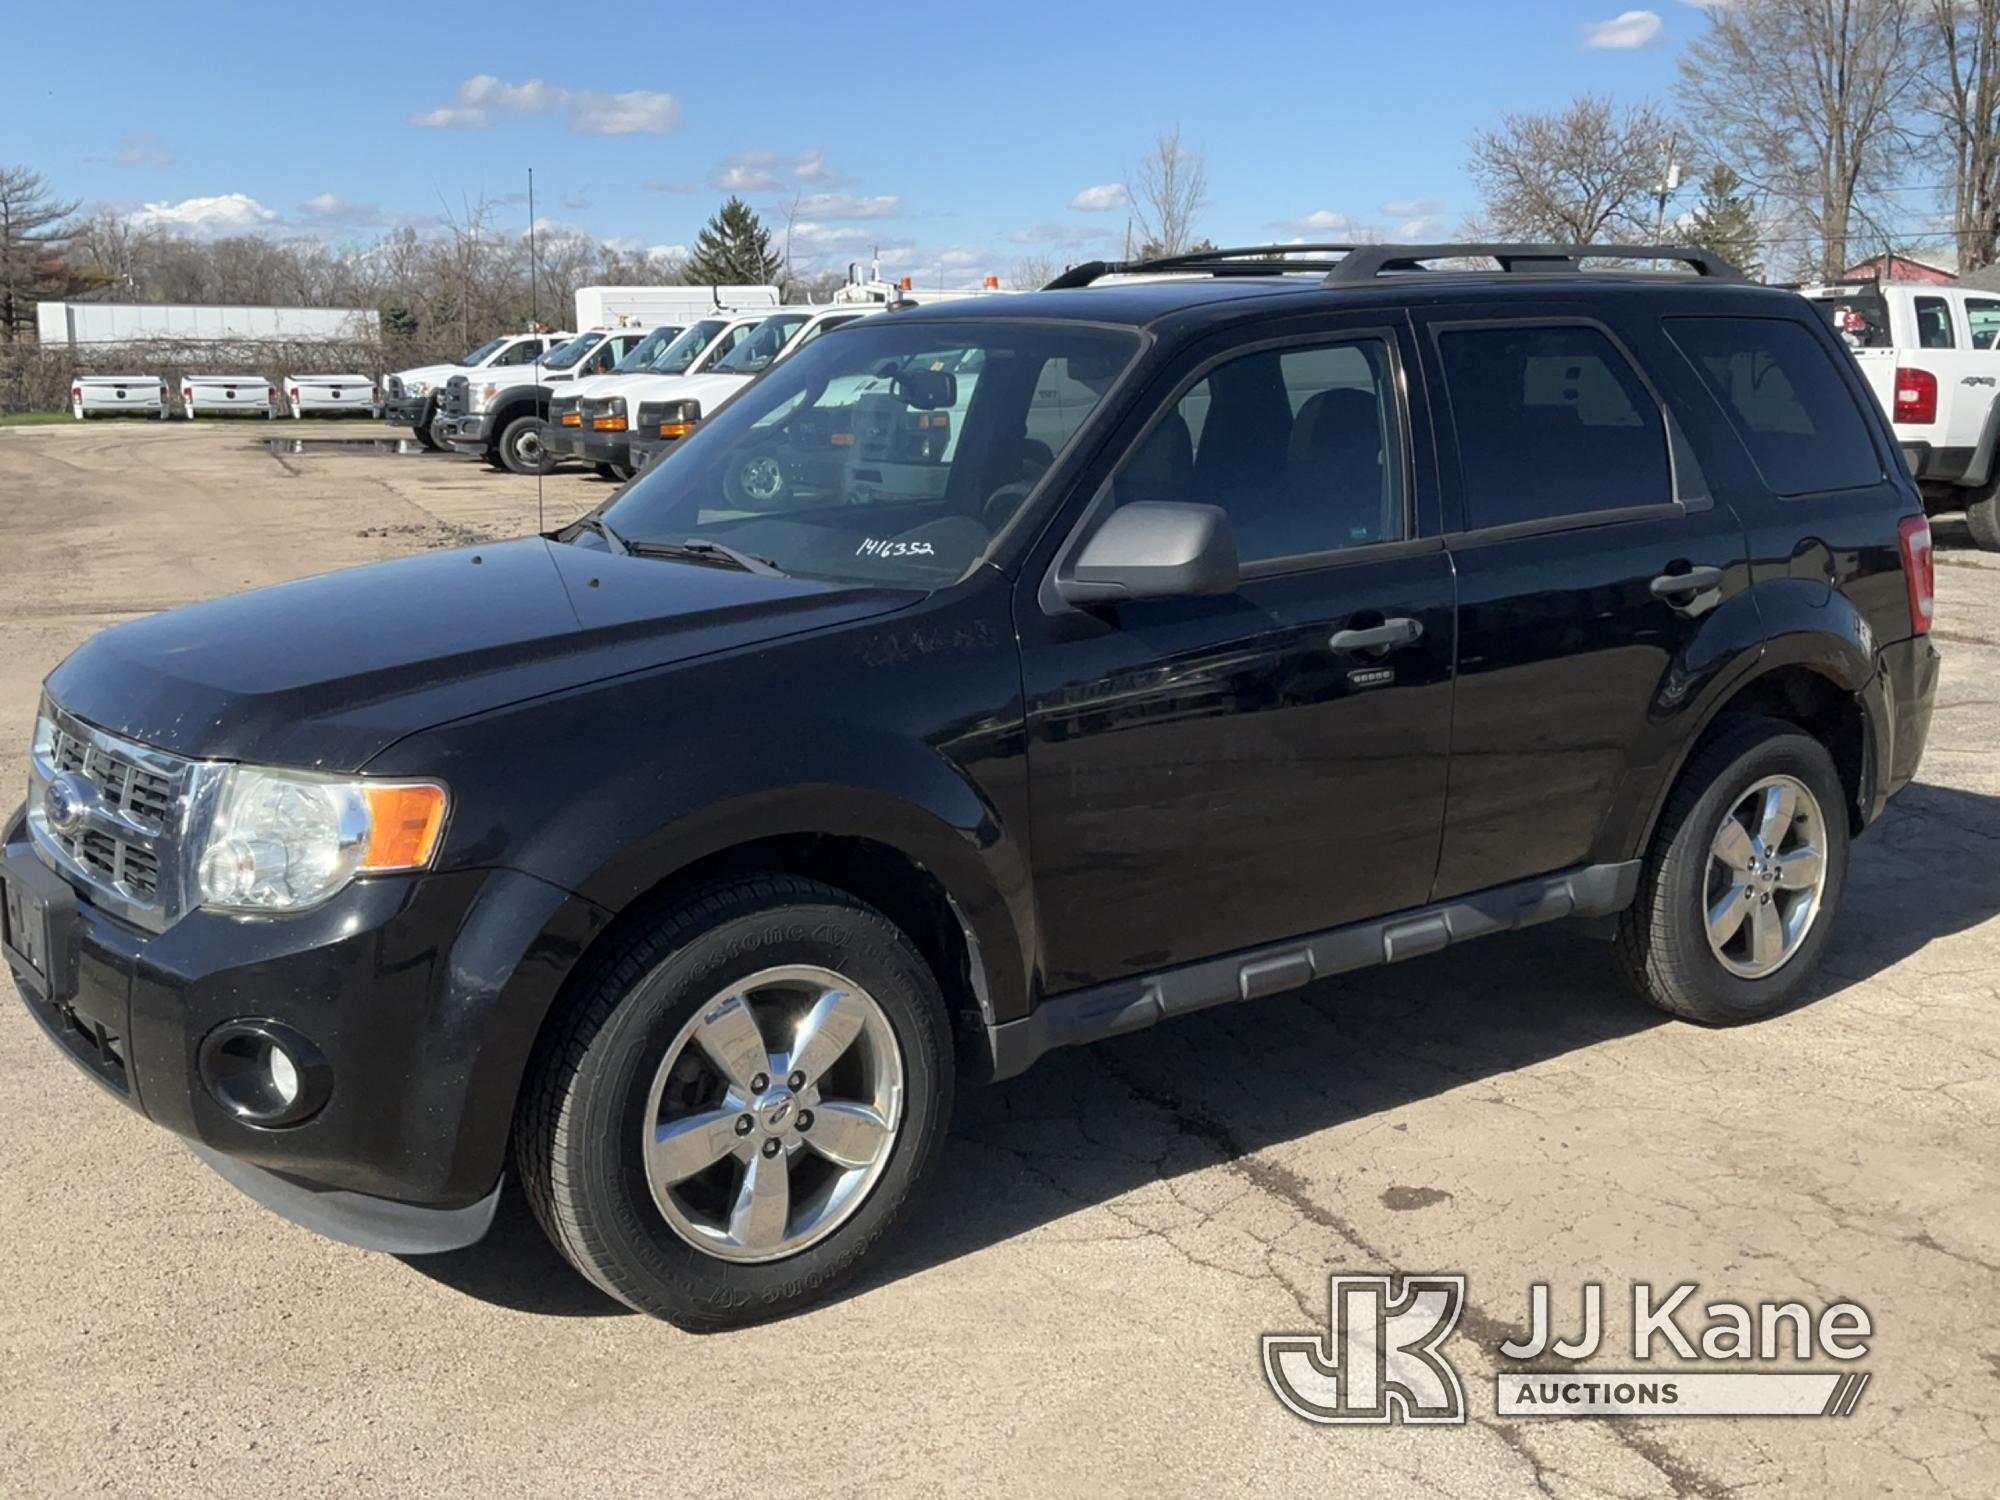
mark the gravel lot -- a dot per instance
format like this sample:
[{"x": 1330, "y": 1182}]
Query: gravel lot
[{"x": 1078, "y": 1305}]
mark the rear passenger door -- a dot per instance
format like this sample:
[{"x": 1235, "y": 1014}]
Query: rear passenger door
[
  {"x": 1210, "y": 774},
  {"x": 1589, "y": 554}
]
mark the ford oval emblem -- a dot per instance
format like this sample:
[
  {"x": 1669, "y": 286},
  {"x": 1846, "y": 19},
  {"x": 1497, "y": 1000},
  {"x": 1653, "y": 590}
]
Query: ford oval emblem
[{"x": 64, "y": 801}]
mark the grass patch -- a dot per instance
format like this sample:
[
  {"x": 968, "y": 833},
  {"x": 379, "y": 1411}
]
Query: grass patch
[{"x": 34, "y": 418}]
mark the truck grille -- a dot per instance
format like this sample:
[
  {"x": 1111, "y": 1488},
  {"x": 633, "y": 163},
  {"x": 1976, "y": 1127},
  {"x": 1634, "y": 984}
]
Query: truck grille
[
  {"x": 395, "y": 384},
  {"x": 456, "y": 397},
  {"x": 563, "y": 411},
  {"x": 124, "y": 845}
]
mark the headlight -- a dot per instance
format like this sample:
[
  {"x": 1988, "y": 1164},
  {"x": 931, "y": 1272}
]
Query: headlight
[
  {"x": 671, "y": 419},
  {"x": 487, "y": 393},
  {"x": 418, "y": 388},
  {"x": 287, "y": 840}
]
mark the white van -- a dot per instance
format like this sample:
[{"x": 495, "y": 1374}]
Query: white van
[
  {"x": 117, "y": 395},
  {"x": 580, "y": 421},
  {"x": 243, "y": 395},
  {"x": 333, "y": 393}
]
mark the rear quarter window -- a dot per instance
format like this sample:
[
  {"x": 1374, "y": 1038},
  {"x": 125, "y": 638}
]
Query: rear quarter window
[{"x": 1779, "y": 388}]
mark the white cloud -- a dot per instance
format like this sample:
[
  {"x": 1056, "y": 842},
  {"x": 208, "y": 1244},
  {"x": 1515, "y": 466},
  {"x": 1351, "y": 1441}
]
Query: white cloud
[
  {"x": 661, "y": 185},
  {"x": 1059, "y": 234},
  {"x": 330, "y": 209},
  {"x": 667, "y": 252},
  {"x": 482, "y": 99},
  {"x": 227, "y": 213},
  {"x": 1411, "y": 208},
  {"x": 849, "y": 206},
  {"x": 1624, "y": 32},
  {"x": 1099, "y": 199},
  {"x": 768, "y": 172},
  {"x": 142, "y": 149}
]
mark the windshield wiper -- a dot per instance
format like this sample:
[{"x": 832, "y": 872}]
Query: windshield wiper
[
  {"x": 618, "y": 545},
  {"x": 702, "y": 548}
]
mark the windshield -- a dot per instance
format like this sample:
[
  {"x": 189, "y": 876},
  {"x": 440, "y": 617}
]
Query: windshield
[
  {"x": 685, "y": 350},
  {"x": 889, "y": 455},
  {"x": 643, "y": 353},
  {"x": 1860, "y": 317},
  {"x": 765, "y": 343},
  {"x": 564, "y": 355},
  {"x": 483, "y": 351}
]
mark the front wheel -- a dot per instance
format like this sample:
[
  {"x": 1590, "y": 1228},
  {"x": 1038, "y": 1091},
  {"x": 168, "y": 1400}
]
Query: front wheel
[
  {"x": 740, "y": 1104},
  {"x": 1741, "y": 887},
  {"x": 521, "y": 450},
  {"x": 426, "y": 439}
]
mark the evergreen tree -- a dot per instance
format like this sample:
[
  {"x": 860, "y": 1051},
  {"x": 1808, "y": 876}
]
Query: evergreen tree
[
  {"x": 1723, "y": 223},
  {"x": 733, "y": 248},
  {"x": 34, "y": 230}
]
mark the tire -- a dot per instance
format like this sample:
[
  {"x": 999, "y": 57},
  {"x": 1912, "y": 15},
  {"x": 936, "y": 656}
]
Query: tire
[
  {"x": 424, "y": 419},
  {"x": 624, "y": 473},
  {"x": 605, "y": 471},
  {"x": 492, "y": 459},
  {"x": 757, "y": 482},
  {"x": 594, "y": 1099},
  {"x": 1664, "y": 947},
  {"x": 1982, "y": 518},
  {"x": 520, "y": 447}
]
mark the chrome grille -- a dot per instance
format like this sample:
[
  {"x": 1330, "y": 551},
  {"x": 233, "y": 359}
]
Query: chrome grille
[
  {"x": 395, "y": 385},
  {"x": 126, "y": 846},
  {"x": 455, "y": 398}
]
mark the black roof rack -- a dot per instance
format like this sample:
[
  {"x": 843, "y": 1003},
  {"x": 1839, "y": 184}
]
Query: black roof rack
[{"x": 1363, "y": 263}]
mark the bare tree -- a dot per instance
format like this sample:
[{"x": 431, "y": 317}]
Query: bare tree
[
  {"x": 1032, "y": 272},
  {"x": 1961, "y": 89},
  {"x": 33, "y": 228},
  {"x": 1589, "y": 174},
  {"x": 1169, "y": 194},
  {"x": 1804, "y": 98}
]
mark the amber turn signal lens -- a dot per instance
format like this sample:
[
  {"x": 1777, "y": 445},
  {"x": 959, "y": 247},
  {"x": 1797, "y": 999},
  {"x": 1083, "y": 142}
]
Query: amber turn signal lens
[
  {"x": 608, "y": 424},
  {"x": 572, "y": 419},
  {"x": 676, "y": 429},
  {"x": 405, "y": 821}
]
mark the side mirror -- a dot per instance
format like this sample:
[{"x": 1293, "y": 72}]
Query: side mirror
[
  {"x": 1154, "y": 549},
  {"x": 925, "y": 390}
]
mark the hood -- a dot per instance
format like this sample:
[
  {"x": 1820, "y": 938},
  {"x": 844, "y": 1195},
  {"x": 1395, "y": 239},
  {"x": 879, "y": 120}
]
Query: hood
[
  {"x": 432, "y": 374},
  {"x": 327, "y": 672},
  {"x": 710, "y": 390}
]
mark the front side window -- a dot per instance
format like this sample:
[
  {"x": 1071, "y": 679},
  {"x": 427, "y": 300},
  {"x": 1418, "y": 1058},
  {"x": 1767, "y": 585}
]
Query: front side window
[
  {"x": 484, "y": 351},
  {"x": 1934, "y": 324},
  {"x": 648, "y": 349},
  {"x": 824, "y": 325},
  {"x": 1302, "y": 447},
  {"x": 1552, "y": 423},
  {"x": 688, "y": 347},
  {"x": 892, "y": 454},
  {"x": 765, "y": 343},
  {"x": 1983, "y": 313},
  {"x": 1782, "y": 393},
  {"x": 570, "y": 351},
  {"x": 524, "y": 353}
]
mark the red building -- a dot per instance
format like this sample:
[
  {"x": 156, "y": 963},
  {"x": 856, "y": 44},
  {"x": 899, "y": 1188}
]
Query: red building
[{"x": 1903, "y": 265}]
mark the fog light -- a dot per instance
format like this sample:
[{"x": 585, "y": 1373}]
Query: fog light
[{"x": 265, "y": 1072}]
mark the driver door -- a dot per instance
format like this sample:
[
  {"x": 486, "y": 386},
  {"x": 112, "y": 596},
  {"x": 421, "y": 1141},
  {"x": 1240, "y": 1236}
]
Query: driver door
[{"x": 1212, "y": 773}]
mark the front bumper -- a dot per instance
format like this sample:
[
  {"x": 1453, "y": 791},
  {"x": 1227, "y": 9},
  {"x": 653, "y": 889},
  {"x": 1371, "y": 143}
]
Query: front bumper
[
  {"x": 559, "y": 441},
  {"x": 645, "y": 451},
  {"x": 406, "y": 411},
  {"x": 473, "y": 434},
  {"x": 602, "y": 447},
  {"x": 423, "y": 994}
]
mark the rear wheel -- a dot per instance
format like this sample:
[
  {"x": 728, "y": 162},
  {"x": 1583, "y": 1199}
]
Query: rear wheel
[
  {"x": 1739, "y": 892},
  {"x": 741, "y": 1103},
  {"x": 521, "y": 450},
  {"x": 1982, "y": 517}
]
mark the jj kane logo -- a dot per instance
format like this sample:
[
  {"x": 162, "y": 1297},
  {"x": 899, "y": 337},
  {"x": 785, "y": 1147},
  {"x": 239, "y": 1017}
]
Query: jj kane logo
[{"x": 1382, "y": 1357}]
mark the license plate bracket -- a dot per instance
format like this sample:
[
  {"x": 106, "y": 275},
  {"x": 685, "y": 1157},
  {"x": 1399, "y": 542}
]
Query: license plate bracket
[{"x": 37, "y": 921}]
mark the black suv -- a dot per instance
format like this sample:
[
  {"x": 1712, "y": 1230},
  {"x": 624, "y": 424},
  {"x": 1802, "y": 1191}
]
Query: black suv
[{"x": 994, "y": 678}]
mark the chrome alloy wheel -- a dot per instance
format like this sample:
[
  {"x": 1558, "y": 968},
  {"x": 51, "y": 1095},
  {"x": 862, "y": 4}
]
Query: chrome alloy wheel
[
  {"x": 763, "y": 479},
  {"x": 773, "y": 1114},
  {"x": 1766, "y": 872}
]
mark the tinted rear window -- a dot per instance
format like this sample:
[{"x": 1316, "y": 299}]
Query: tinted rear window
[
  {"x": 1552, "y": 423},
  {"x": 1783, "y": 394}
]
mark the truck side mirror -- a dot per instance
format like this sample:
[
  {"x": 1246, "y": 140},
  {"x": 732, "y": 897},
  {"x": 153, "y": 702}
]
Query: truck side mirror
[{"x": 1154, "y": 549}]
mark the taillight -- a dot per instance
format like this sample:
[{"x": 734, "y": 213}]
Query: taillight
[
  {"x": 295, "y": 395},
  {"x": 76, "y": 393},
  {"x": 375, "y": 392},
  {"x": 1916, "y": 397},
  {"x": 1919, "y": 571},
  {"x": 187, "y": 394}
]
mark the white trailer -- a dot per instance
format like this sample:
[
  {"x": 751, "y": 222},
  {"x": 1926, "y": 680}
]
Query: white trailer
[
  {"x": 650, "y": 306},
  {"x": 333, "y": 393},
  {"x": 245, "y": 395},
  {"x": 117, "y": 395},
  {"x": 80, "y": 324}
]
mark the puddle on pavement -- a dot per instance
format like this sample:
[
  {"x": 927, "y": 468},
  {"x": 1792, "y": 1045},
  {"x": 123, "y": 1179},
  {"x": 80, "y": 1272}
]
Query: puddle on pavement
[{"x": 343, "y": 445}]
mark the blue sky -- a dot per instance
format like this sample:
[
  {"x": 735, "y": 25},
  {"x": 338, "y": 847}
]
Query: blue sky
[{"x": 954, "y": 137}]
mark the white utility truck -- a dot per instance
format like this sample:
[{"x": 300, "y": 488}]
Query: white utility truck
[{"x": 1931, "y": 354}]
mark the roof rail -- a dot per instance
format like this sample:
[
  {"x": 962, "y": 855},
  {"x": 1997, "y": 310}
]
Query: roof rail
[
  {"x": 1363, "y": 263},
  {"x": 1241, "y": 260},
  {"x": 1366, "y": 262}
]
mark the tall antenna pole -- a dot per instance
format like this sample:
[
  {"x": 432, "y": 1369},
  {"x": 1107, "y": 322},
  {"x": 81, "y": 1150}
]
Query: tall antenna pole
[{"x": 534, "y": 319}]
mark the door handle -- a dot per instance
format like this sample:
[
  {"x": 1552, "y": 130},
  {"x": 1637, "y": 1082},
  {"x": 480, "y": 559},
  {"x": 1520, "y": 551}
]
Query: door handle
[
  {"x": 1693, "y": 581},
  {"x": 1397, "y": 632}
]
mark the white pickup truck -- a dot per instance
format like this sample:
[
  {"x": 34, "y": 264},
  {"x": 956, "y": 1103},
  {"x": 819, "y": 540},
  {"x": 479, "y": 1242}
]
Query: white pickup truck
[
  {"x": 413, "y": 394},
  {"x": 1931, "y": 354}
]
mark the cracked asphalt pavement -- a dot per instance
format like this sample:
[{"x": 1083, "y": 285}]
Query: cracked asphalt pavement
[{"x": 1077, "y": 1305}]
